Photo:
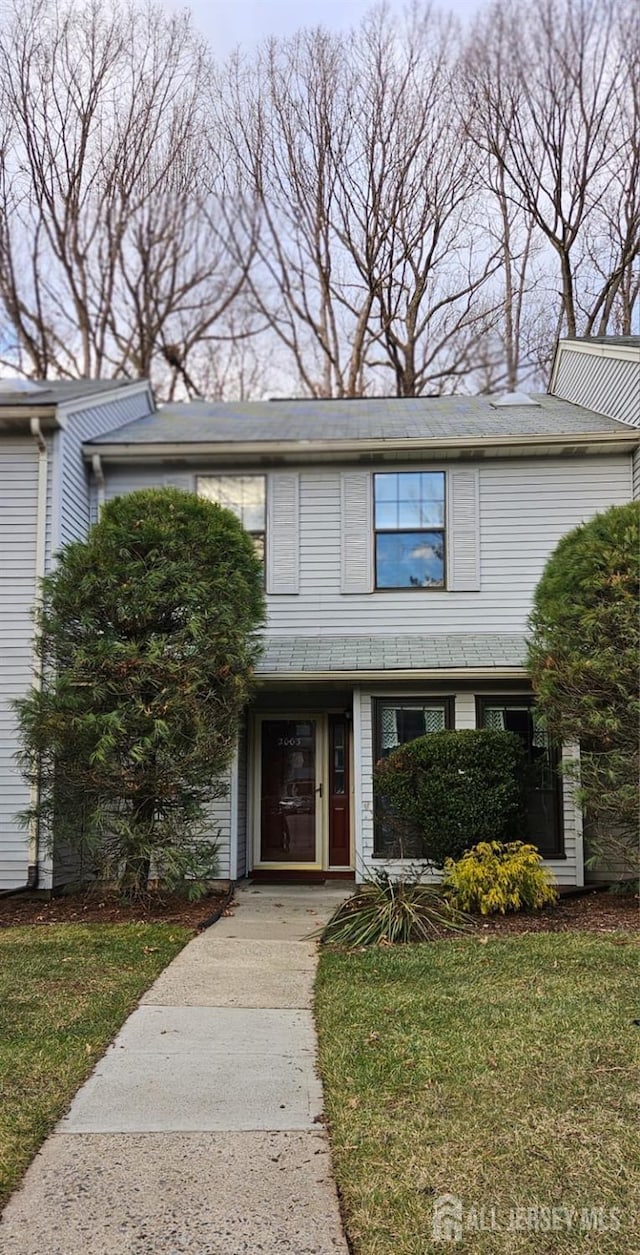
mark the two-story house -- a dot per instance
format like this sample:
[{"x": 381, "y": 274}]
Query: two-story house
[{"x": 402, "y": 542}]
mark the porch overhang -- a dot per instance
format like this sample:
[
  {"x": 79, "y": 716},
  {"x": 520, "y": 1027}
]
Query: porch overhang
[
  {"x": 360, "y": 677},
  {"x": 360, "y": 659}
]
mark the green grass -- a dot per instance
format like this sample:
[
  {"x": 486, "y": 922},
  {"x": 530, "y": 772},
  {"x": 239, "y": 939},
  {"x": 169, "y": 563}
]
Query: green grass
[
  {"x": 504, "y": 1073},
  {"x": 65, "y": 989}
]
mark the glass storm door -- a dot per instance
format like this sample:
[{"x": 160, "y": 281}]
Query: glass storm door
[{"x": 289, "y": 791}]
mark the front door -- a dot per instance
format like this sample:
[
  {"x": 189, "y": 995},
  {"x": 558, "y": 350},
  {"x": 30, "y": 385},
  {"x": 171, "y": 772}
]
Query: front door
[
  {"x": 339, "y": 792},
  {"x": 290, "y": 791}
]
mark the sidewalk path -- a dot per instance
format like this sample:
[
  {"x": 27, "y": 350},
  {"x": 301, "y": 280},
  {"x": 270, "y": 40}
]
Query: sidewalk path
[{"x": 199, "y": 1132}]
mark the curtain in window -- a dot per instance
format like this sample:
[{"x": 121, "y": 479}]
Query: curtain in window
[
  {"x": 494, "y": 719},
  {"x": 389, "y": 728},
  {"x": 434, "y": 719}
]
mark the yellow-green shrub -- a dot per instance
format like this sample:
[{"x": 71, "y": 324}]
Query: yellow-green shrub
[{"x": 493, "y": 878}]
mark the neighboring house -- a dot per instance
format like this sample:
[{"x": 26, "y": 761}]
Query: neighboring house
[
  {"x": 403, "y": 540},
  {"x": 44, "y": 503}
]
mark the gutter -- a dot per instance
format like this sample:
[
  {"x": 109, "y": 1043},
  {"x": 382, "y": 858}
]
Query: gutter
[
  {"x": 98, "y": 472},
  {"x": 390, "y": 676},
  {"x": 478, "y": 445}
]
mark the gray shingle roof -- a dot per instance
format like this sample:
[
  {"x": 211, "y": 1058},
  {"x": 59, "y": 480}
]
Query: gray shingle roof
[
  {"x": 309, "y": 654},
  {"x": 427, "y": 418},
  {"x": 57, "y": 391}
]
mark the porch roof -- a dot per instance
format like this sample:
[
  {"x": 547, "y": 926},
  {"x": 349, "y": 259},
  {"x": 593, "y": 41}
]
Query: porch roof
[{"x": 467, "y": 653}]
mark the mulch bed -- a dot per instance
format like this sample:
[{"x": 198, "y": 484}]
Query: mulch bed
[
  {"x": 592, "y": 912},
  {"x": 107, "y": 908}
]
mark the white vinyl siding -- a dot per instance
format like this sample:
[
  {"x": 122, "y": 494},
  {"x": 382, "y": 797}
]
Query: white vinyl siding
[
  {"x": 241, "y": 860},
  {"x": 71, "y": 506},
  {"x": 185, "y": 482},
  {"x": 525, "y": 506},
  {"x": 218, "y": 828},
  {"x": 567, "y": 870},
  {"x": 283, "y": 527},
  {"x": 636, "y": 475},
  {"x": 599, "y": 380},
  {"x": 18, "y": 516}
]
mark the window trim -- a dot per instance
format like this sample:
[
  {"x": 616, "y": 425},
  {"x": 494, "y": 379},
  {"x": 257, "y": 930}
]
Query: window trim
[
  {"x": 409, "y": 531},
  {"x": 483, "y": 700}
]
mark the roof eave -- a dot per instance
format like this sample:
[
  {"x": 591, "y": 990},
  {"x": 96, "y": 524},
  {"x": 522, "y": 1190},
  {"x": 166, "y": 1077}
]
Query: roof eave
[
  {"x": 391, "y": 675},
  {"x": 194, "y": 451},
  {"x": 17, "y": 418}
]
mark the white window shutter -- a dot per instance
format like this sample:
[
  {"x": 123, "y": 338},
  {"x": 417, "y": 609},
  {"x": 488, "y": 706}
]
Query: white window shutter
[
  {"x": 463, "y": 531},
  {"x": 283, "y": 533},
  {"x": 356, "y": 533},
  {"x": 185, "y": 482}
]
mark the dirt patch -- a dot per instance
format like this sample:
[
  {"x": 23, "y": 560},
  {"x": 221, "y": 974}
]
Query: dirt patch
[
  {"x": 593, "y": 912},
  {"x": 107, "y": 908}
]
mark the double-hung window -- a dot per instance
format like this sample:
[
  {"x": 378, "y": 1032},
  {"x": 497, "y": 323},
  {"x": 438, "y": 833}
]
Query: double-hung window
[
  {"x": 245, "y": 496},
  {"x": 409, "y": 520}
]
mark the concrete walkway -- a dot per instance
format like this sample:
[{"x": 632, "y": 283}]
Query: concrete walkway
[{"x": 199, "y": 1132}]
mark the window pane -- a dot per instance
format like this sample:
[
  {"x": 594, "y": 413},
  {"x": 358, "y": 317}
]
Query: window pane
[
  {"x": 409, "y": 485},
  {"x": 432, "y": 485},
  {"x": 253, "y": 517},
  {"x": 386, "y": 487},
  {"x": 387, "y": 514},
  {"x": 411, "y": 560},
  {"x": 258, "y": 544},
  {"x": 409, "y": 514},
  {"x": 432, "y": 514}
]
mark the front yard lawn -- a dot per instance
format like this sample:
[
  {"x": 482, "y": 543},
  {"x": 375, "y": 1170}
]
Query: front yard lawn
[
  {"x": 505, "y": 1074},
  {"x": 65, "y": 989}
]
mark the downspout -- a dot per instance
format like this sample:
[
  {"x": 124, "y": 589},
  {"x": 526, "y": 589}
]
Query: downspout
[
  {"x": 41, "y": 526},
  {"x": 98, "y": 472}
]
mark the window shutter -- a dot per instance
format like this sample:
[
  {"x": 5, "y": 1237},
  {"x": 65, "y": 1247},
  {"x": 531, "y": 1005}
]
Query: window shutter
[
  {"x": 185, "y": 482},
  {"x": 463, "y": 531},
  {"x": 283, "y": 533},
  {"x": 356, "y": 533}
]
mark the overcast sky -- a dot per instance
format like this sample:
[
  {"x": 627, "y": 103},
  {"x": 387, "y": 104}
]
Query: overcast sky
[{"x": 227, "y": 23}]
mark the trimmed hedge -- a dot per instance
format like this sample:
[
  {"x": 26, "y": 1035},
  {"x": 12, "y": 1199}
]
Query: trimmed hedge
[{"x": 443, "y": 793}]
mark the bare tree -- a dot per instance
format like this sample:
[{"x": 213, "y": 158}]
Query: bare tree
[
  {"x": 613, "y": 245},
  {"x": 370, "y": 259},
  {"x": 407, "y": 205},
  {"x": 286, "y": 120},
  {"x": 113, "y": 221},
  {"x": 543, "y": 83}
]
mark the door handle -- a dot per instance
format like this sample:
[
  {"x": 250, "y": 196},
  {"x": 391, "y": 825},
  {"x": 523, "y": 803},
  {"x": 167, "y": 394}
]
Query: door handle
[{"x": 319, "y": 789}]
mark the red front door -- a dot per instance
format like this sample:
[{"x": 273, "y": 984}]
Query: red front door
[{"x": 339, "y": 792}]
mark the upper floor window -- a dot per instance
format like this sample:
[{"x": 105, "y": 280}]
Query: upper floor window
[
  {"x": 409, "y": 511},
  {"x": 245, "y": 496}
]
